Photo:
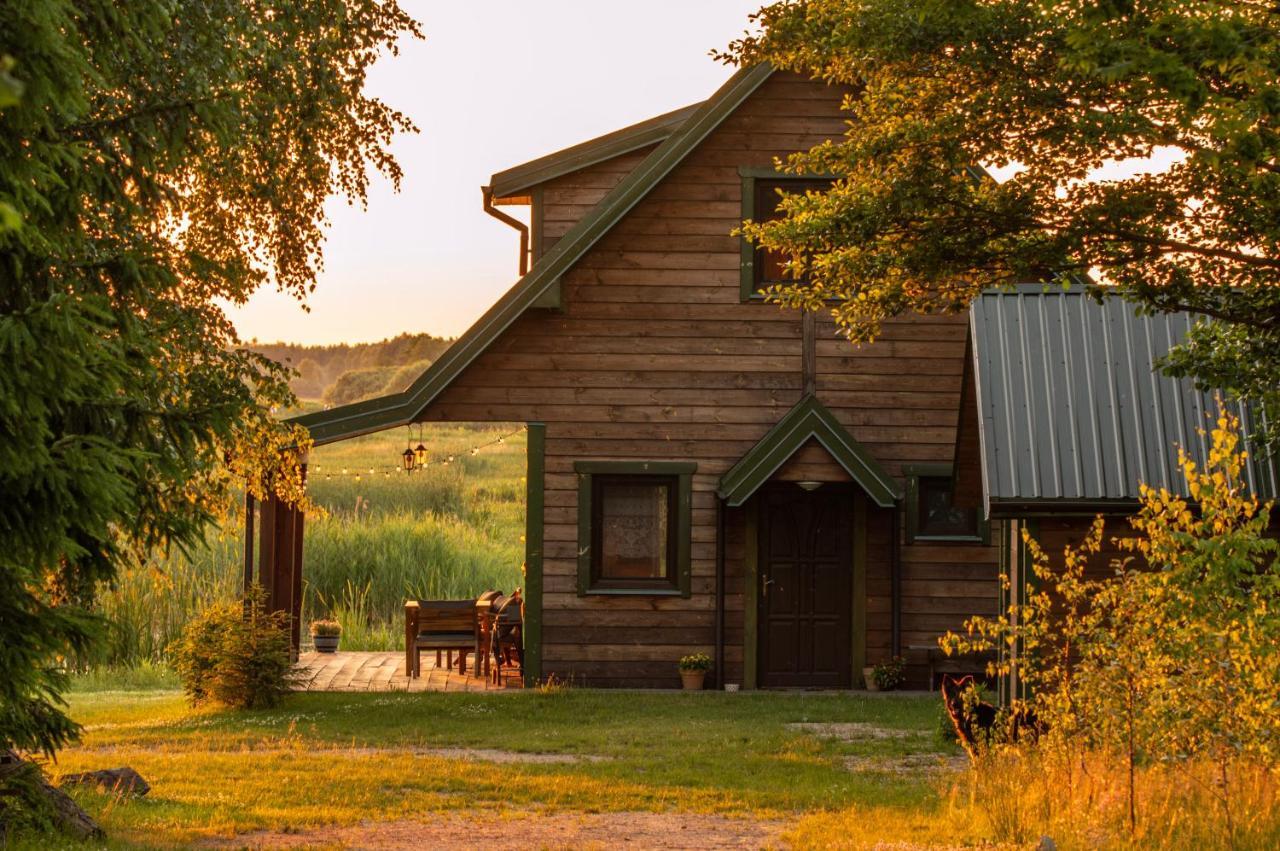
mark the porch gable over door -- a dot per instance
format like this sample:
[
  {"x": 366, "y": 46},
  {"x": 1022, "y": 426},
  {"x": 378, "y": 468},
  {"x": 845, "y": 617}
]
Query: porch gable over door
[{"x": 808, "y": 420}]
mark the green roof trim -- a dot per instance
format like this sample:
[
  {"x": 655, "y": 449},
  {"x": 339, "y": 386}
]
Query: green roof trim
[
  {"x": 808, "y": 419},
  {"x": 401, "y": 408},
  {"x": 520, "y": 178}
]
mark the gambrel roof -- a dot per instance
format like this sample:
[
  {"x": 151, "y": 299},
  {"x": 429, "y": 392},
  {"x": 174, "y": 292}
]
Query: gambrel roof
[
  {"x": 1074, "y": 409},
  {"x": 402, "y": 408}
]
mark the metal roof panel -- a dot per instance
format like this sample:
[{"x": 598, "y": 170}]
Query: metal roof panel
[{"x": 1073, "y": 406}]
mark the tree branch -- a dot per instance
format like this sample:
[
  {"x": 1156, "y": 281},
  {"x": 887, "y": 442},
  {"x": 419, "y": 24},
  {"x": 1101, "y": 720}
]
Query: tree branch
[{"x": 87, "y": 128}]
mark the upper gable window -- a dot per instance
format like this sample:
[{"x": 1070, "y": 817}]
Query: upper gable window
[{"x": 761, "y": 199}]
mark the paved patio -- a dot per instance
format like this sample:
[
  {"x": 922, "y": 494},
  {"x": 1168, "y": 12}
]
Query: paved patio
[{"x": 362, "y": 671}]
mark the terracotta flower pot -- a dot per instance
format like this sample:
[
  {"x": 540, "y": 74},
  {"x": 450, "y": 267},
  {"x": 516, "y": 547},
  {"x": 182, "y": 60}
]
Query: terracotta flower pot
[
  {"x": 693, "y": 680},
  {"x": 325, "y": 643},
  {"x": 869, "y": 678}
]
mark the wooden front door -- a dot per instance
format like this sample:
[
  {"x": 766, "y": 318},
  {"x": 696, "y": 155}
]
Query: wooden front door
[{"x": 806, "y": 588}]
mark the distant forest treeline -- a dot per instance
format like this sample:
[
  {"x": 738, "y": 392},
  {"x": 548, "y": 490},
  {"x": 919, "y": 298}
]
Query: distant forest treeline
[{"x": 346, "y": 373}]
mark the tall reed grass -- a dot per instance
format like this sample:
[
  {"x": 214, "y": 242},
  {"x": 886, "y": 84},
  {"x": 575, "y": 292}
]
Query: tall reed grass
[
  {"x": 449, "y": 531},
  {"x": 1027, "y": 799},
  {"x": 1080, "y": 802}
]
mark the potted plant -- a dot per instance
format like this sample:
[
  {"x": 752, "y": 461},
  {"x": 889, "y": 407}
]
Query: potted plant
[
  {"x": 888, "y": 675},
  {"x": 869, "y": 678},
  {"x": 693, "y": 670},
  {"x": 325, "y": 635}
]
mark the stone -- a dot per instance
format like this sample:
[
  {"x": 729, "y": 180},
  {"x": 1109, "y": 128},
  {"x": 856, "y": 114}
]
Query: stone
[{"x": 122, "y": 781}]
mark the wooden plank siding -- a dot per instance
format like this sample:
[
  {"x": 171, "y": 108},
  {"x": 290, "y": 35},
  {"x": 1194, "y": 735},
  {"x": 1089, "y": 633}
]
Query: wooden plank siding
[
  {"x": 562, "y": 202},
  {"x": 653, "y": 356}
]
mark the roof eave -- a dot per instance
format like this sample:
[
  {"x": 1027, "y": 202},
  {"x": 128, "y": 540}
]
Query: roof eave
[{"x": 513, "y": 183}]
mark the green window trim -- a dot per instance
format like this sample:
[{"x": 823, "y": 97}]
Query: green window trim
[
  {"x": 683, "y": 472},
  {"x": 913, "y": 473},
  {"x": 747, "y": 252}
]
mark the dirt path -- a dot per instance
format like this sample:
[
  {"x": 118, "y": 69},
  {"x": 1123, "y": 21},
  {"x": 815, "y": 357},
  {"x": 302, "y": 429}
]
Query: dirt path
[{"x": 493, "y": 831}]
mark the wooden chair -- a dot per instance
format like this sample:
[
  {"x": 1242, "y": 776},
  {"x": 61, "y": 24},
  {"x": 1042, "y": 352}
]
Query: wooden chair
[
  {"x": 483, "y": 621},
  {"x": 439, "y": 625},
  {"x": 506, "y": 638}
]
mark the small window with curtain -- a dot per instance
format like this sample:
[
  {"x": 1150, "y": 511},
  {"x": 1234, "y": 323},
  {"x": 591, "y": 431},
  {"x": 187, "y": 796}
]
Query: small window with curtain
[
  {"x": 634, "y": 525},
  {"x": 932, "y": 514},
  {"x": 633, "y": 544}
]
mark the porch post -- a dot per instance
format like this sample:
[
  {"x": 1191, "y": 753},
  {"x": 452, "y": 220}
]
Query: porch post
[
  {"x": 280, "y": 561},
  {"x": 535, "y": 482},
  {"x": 249, "y": 509}
]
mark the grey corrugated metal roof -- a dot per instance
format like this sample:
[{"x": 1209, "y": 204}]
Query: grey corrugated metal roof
[{"x": 1072, "y": 406}]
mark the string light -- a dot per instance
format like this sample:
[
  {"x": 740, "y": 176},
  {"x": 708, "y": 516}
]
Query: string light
[{"x": 446, "y": 460}]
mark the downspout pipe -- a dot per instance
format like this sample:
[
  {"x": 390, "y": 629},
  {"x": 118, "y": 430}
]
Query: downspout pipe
[
  {"x": 487, "y": 192},
  {"x": 719, "y": 618},
  {"x": 895, "y": 582}
]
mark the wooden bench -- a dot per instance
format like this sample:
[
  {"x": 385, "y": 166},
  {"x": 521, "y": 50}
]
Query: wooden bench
[
  {"x": 439, "y": 625},
  {"x": 940, "y": 663}
]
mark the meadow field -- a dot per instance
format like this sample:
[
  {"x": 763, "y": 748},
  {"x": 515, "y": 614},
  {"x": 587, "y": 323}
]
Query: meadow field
[{"x": 450, "y": 530}]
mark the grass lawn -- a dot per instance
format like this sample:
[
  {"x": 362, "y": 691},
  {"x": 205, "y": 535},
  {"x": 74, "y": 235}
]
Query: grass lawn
[{"x": 346, "y": 759}]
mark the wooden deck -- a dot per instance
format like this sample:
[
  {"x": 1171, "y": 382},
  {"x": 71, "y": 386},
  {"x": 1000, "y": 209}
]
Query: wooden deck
[{"x": 361, "y": 671}]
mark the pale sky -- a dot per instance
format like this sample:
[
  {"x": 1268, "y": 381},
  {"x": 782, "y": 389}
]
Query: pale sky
[{"x": 495, "y": 83}]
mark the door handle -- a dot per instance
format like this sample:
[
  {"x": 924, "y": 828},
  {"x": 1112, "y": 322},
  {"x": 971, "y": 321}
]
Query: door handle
[{"x": 764, "y": 586}]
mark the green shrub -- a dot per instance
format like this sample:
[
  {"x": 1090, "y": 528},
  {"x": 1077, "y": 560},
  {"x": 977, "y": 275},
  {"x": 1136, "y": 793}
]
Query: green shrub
[
  {"x": 237, "y": 656},
  {"x": 890, "y": 673}
]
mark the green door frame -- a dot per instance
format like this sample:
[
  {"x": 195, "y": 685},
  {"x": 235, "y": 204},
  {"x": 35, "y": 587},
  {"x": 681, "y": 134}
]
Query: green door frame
[{"x": 751, "y": 595}]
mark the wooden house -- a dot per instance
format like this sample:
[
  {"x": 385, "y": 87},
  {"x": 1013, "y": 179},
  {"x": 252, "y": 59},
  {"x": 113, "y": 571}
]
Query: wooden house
[{"x": 711, "y": 473}]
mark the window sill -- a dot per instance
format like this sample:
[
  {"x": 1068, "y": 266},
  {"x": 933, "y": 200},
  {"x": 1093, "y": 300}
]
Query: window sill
[
  {"x": 947, "y": 539},
  {"x": 632, "y": 592}
]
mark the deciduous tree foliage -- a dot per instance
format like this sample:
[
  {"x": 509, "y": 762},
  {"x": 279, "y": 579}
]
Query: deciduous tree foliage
[
  {"x": 1059, "y": 88},
  {"x": 1175, "y": 657},
  {"x": 161, "y": 157}
]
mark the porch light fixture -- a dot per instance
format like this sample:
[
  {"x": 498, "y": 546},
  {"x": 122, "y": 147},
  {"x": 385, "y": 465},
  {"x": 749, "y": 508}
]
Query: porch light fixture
[
  {"x": 809, "y": 486},
  {"x": 408, "y": 458},
  {"x": 420, "y": 451}
]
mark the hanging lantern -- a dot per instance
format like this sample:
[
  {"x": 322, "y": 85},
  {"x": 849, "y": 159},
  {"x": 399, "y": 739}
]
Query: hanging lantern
[
  {"x": 420, "y": 451},
  {"x": 409, "y": 458}
]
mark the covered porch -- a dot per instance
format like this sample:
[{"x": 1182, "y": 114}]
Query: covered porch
[
  {"x": 447, "y": 580},
  {"x": 384, "y": 671}
]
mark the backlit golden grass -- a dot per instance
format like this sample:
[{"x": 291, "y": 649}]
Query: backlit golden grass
[
  {"x": 367, "y": 759},
  {"x": 342, "y": 759}
]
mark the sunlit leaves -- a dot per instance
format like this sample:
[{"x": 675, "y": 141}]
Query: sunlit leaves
[
  {"x": 1175, "y": 653},
  {"x": 1062, "y": 89}
]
